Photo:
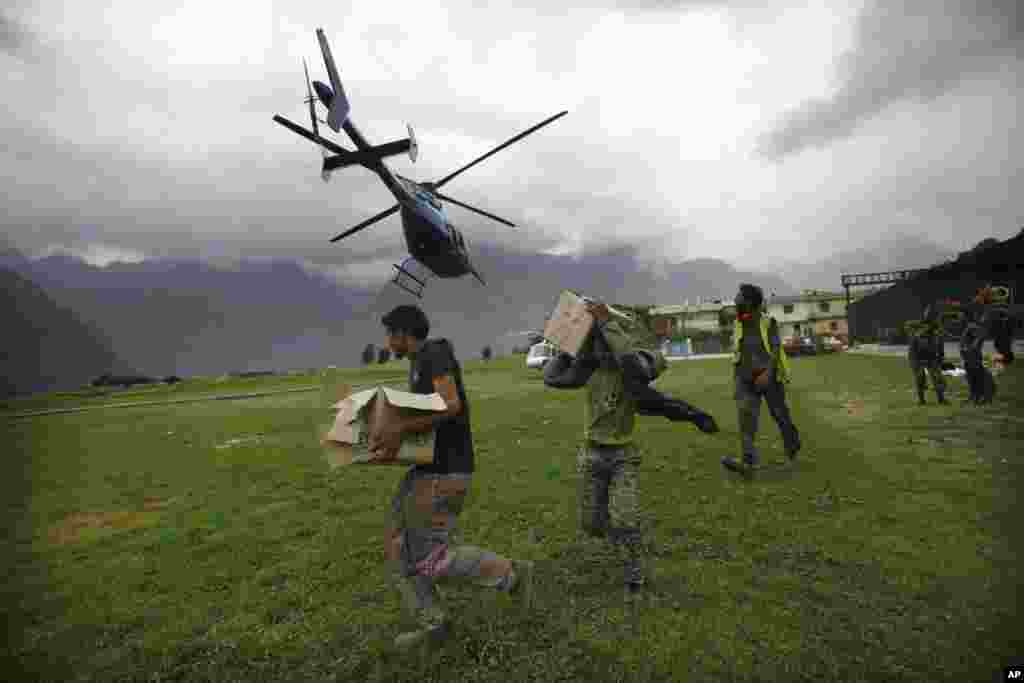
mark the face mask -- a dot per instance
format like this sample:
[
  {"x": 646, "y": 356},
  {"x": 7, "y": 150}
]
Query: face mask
[{"x": 744, "y": 308}]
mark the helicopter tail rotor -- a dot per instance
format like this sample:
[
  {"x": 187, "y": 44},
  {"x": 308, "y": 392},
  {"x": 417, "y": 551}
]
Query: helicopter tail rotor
[{"x": 414, "y": 148}]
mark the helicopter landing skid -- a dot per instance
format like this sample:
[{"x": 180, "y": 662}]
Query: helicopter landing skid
[{"x": 406, "y": 280}]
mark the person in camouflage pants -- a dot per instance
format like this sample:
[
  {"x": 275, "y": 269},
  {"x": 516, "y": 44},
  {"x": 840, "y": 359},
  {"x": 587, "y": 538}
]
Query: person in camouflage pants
[
  {"x": 608, "y": 463},
  {"x": 617, "y": 381},
  {"x": 925, "y": 353}
]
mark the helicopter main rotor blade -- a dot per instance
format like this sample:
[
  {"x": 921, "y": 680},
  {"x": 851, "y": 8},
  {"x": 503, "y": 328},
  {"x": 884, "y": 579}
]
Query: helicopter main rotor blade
[
  {"x": 367, "y": 223},
  {"x": 475, "y": 210},
  {"x": 497, "y": 149}
]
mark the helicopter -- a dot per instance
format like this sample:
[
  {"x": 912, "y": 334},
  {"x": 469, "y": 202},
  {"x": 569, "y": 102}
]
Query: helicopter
[{"x": 435, "y": 246}]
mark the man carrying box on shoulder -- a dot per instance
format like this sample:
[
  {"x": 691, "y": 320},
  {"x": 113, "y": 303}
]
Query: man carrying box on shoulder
[
  {"x": 420, "y": 546},
  {"x": 617, "y": 378}
]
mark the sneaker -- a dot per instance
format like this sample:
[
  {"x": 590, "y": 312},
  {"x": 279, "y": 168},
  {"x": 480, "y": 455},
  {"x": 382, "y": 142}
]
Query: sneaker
[
  {"x": 433, "y": 637},
  {"x": 746, "y": 468},
  {"x": 706, "y": 423},
  {"x": 522, "y": 590},
  {"x": 634, "y": 591}
]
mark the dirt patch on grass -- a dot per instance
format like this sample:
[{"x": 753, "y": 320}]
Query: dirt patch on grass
[
  {"x": 81, "y": 526},
  {"x": 857, "y": 408}
]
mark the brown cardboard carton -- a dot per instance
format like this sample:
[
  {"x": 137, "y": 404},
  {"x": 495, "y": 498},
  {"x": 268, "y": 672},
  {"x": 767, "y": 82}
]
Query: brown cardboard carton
[
  {"x": 363, "y": 414},
  {"x": 570, "y": 324}
]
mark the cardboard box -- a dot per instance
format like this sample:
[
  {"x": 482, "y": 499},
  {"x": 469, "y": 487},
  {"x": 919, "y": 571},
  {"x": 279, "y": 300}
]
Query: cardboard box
[
  {"x": 570, "y": 324},
  {"x": 362, "y": 415}
]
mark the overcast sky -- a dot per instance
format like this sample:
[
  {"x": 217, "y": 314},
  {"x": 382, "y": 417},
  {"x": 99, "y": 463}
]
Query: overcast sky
[{"x": 696, "y": 129}]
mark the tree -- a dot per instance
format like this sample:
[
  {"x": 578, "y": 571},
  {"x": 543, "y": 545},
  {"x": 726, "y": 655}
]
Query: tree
[
  {"x": 986, "y": 243},
  {"x": 486, "y": 353},
  {"x": 369, "y": 353},
  {"x": 383, "y": 355}
]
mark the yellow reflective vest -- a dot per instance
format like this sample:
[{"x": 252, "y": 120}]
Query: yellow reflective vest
[{"x": 781, "y": 362}]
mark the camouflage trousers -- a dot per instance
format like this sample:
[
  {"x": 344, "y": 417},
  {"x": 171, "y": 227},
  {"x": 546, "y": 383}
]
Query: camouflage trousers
[
  {"x": 934, "y": 370},
  {"x": 609, "y": 501},
  {"x": 425, "y": 512}
]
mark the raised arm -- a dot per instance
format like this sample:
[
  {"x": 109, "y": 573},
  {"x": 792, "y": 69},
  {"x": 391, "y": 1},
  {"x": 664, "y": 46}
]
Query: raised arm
[{"x": 563, "y": 372}]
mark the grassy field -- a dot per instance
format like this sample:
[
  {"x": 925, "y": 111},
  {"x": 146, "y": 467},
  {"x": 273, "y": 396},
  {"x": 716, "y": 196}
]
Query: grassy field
[{"x": 207, "y": 541}]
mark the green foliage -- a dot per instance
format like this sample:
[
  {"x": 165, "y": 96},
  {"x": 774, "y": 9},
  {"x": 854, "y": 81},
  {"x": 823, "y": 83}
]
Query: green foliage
[{"x": 207, "y": 541}]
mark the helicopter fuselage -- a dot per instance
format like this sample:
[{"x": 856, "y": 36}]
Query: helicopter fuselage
[{"x": 429, "y": 236}]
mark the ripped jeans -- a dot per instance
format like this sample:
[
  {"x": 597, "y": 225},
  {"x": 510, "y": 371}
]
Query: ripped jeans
[{"x": 425, "y": 511}]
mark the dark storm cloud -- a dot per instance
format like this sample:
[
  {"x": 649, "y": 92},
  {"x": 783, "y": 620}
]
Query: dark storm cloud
[
  {"x": 905, "y": 51},
  {"x": 15, "y": 38}
]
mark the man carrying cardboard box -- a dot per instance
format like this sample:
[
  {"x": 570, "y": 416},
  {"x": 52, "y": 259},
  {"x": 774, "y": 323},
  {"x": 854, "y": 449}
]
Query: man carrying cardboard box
[
  {"x": 617, "y": 378},
  {"x": 420, "y": 545}
]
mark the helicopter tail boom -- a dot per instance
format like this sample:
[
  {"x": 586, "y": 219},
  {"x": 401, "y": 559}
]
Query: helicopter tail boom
[{"x": 334, "y": 97}]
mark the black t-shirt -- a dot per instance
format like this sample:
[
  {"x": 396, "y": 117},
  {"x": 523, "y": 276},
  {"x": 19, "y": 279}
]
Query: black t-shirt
[{"x": 453, "y": 441}]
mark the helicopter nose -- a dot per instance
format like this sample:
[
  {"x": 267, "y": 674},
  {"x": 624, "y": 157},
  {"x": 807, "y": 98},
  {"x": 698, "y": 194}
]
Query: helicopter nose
[{"x": 324, "y": 92}]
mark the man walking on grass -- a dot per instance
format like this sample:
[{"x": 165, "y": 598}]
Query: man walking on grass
[
  {"x": 421, "y": 545},
  {"x": 618, "y": 387},
  {"x": 761, "y": 369}
]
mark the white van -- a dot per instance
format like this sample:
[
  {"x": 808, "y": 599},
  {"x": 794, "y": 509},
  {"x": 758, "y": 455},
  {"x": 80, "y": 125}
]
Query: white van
[{"x": 539, "y": 355}]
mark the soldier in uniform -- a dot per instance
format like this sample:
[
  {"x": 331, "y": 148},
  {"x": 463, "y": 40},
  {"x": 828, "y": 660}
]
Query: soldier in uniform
[
  {"x": 421, "y": 545},
  {"x": 926, "y": 353},
  {"x": 618, "y": 387},
  {"x": 760, "y": 369}
]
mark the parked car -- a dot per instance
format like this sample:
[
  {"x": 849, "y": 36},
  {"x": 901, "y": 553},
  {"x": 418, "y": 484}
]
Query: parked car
[
  {"x": 539, "y": 355},
  {"x": 832, "y": 344},
  {"x": 808, "y": 346}
]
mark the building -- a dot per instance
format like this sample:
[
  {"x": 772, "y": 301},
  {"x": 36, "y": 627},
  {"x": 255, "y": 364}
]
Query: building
[
  {"x": 673, "y": 320},
  {"x": 813, "y": 313},
  {"x": 810, "y": 313}
]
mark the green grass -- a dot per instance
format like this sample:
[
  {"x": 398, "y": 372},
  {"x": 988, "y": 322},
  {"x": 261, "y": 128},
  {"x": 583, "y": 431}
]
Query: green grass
[{"x": 142, "y": 547}]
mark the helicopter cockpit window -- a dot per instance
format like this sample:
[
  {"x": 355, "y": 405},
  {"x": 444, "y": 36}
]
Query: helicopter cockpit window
[{"x": 426, "y": 197}]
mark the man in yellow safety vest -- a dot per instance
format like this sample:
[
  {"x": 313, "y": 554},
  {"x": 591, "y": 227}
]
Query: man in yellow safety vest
[{"x": 760, "y": 369}]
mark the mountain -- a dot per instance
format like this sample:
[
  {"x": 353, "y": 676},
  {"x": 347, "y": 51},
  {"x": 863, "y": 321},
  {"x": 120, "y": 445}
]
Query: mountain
[
  {"x": 899, "y": 252},
  {"x": 187, "y": 318},
  {"x": 44, "y": 345},
  {"x": 190, "y": 318}
]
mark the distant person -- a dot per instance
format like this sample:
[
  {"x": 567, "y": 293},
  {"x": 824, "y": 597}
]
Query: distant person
[
  {"x": 421, "y": 544},
  {"x": 1001, "y": 322},
  {"x": 926, "y": 351},
  {"x": 981, "y": 384},
  {"x": 760, "y": 369},
  {"x": 618, "y": 380}
]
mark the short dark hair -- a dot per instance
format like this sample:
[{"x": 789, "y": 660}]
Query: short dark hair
[
  {"x": 409, "y": 320},
  {"x": 752, "y": 293}
]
